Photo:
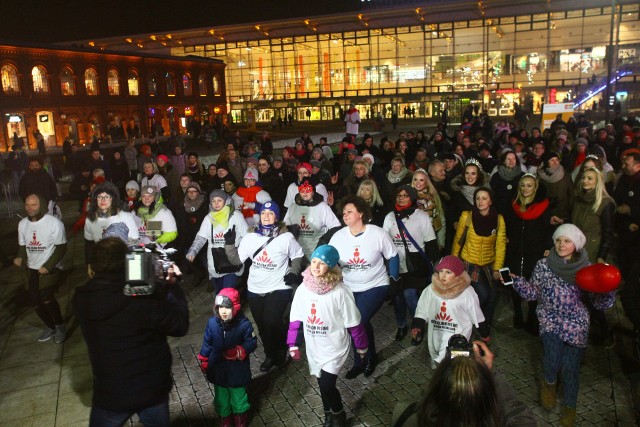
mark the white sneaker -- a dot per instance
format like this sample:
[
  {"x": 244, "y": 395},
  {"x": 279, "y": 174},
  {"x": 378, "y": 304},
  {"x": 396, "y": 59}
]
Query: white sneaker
[
  {"x": 46, "y": 335},
  {"x": 60, "y": 334}
]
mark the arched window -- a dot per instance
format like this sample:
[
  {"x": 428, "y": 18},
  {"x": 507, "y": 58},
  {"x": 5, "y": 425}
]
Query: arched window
[
  {"x": 40, "y": 81},
  {"x": 186, "y": 84},
  {"x": 113, "y": 82},
  {"x": 133, "y": 82},
  {"x": 67, "y": 82},
  {"x": 216, "y": 86},
  {"x": 10, "y": 85},
  {"x": 202, "y": 85},
  {"x": 170, "y": 81},
  {"x": 152, "y": 85},
  {"x": 91, "y": 82}
]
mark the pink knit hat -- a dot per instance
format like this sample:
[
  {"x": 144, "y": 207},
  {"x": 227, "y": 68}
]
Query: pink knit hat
[{"x": 451, "y": 262}]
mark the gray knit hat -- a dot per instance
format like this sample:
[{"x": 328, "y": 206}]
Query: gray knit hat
[
  {"x": 218, "y": 193},
  {"x": 119, "y": 230},
  {"x": 573, "y": 233}
]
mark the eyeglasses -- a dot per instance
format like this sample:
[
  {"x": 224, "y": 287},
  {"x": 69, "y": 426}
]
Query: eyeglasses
[
  {"x": 104, "y": 197},
  {"x": 402, "y": 196}
]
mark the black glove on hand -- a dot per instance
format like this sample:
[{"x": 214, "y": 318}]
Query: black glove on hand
[
  {"x": 292, "y": 280},
  {"x": 230, "y": 236},
  {"x": 295, "y": 230}
]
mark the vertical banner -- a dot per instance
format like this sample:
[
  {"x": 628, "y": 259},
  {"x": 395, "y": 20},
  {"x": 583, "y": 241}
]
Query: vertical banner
[
  {"x": 302, "y": 79},
  {"x": 260, "y": 79},
  {"x": 550, "y": 111},
  {"x": 326, "y": 75}
]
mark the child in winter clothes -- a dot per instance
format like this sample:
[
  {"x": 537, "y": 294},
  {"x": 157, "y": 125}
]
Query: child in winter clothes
[
  {"x": 449, "y": 305},
  {"x": 224, "y": 357},
  {"x": 563, "y": 315},
  {"x": 328, "y": 310}
]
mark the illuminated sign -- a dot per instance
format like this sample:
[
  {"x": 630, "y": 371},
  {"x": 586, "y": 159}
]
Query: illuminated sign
[
  {"x": 188, "y": 111},
  {"x": 14, "y": 119},
  {"x": 43, "y": 118}
]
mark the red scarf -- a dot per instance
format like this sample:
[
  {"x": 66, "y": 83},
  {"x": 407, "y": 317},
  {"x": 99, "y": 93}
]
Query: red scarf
[
  {"x": 248, "y": 194},
  {"x": 533, "y": 211},
  {"x": 402, "y": 208}
]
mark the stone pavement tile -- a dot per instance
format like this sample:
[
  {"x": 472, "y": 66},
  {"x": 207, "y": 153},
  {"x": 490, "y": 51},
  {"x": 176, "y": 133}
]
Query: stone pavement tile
[
  {"x": 34, "y": 421},
  {"x": 38, "y": 353},
  {"x": 28, "y": 402},
  {"x": 73, "y": 407},
  {"x": 21, "y": 377},
  {"x": 78, "y": 379}
]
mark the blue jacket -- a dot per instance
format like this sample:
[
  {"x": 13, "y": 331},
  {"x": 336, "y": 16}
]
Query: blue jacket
[{"x": 219, "y": 337}]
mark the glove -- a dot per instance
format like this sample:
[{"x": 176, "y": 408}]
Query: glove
[
  {"x": 230, "y": 236},
  {"x": 395, "y": 287},
  {"x": 295, "y": 354},
  {"x": 362, "y": 352},
  {"x": 204, "y": 363},
  {"x": 295, "y": 230},
  {"x": 235, "y": 353},
  {"x": 416, "y": 336},
  {"x": 248, "y": 205},
  {"x": 292, "y": 280}
]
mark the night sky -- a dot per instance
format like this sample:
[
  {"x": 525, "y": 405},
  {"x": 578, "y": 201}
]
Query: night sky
[{"x": 65, "y": 20}]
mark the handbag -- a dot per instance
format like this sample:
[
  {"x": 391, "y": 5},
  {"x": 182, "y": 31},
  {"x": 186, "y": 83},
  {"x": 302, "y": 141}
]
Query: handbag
[
  {"x": 221, "y": 263},
  {"x": 419, "y": 267}
]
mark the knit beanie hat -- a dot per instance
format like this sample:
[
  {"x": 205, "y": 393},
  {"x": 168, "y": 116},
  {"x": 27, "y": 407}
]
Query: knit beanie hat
[
  {"x": 304, "y": 165},
  {"x": 251, "y": 173},
  {"x": 451, "y": 262},
  {"x": 195, "y": 185},
  {"x": 413, "y": 194},
  {"x": 573, "y": 233},
  {"x": 327, "y": 254},
  {"x": 222, "y": 165},
  {"x": 218, "y": 193},
  {"x": 162, "y": 157},
  {"x": 132, "y": 185},
  {"x": 228, "y": 298},
  {"x": 119, "y": 230},
  {"x": 369, "y": 156},
  {"x": 270, "y": 206},
  {"x": 582, "y": 141},
  {"x": 149, "y": 189}
]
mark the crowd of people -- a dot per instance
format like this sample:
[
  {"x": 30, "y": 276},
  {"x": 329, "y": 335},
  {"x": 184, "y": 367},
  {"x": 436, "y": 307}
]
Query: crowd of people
[{"x": 331, "y": 233}]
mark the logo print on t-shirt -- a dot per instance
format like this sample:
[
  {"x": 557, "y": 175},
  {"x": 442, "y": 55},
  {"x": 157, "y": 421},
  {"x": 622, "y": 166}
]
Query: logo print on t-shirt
[
  {"x": 218, "y": 239},
  {"x": 264, "y": 262},
  {"x": 443, "y": 313},
  {"x": 313, "y": 319},
  {"x": 356, "y": 258},
  {"x": 397, "y": 240},
  {"x": 34, "y": 241},
  {"x": 303, "y": 223}
]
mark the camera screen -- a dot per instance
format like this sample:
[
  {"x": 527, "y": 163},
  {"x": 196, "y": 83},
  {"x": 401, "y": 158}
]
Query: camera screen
[
  {"x": 459, "y": 353},
  {"x": 134, "y": 267}
]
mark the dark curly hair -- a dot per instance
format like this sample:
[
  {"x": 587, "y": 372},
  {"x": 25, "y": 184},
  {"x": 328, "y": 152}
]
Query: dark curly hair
[
  {"x": 360, "y": 204},
  {"x": 110, "y": 189}
]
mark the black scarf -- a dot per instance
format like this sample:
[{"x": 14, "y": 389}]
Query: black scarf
[
  {"x": 567, "y": 270},
  {"x": 484, "y": 225}
]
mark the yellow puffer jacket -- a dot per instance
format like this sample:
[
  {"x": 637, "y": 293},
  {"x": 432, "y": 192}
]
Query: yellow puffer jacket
[{"x": 481, "y": 250}]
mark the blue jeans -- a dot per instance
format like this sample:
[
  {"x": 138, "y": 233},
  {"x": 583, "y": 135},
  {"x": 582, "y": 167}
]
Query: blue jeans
[
  {"x": 226, "y": 281},
  {"x": 408, "y": 299},
  {"x": 153, "y": 416},
  {"x": 368, "y": 303},
  {"x": 559, "y": 357}
]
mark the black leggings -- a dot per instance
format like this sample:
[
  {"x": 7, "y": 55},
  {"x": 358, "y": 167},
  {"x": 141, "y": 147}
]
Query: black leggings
[
  {"x": 269, "y": 312},
  {"x": 43, "y": 301},
  {"x": 331, "y": 400}
]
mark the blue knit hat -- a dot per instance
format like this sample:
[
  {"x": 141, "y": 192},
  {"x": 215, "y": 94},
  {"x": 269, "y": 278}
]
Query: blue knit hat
[
  {"x": 119, "y": 230},
  {"x": 271, "y": 206},
  {"x": 327, "y": 254}
]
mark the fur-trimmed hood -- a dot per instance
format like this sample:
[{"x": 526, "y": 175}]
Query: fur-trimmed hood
[{"x": 453, "y": 289}]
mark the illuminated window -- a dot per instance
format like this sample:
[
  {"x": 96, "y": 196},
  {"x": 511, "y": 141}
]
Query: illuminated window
[
  {"x": 67, "y": 82},
  {"x": 10, "y": 84},
  {"x": 133, "y": 83},
  {"x": 216, "y": 86},
  {"x": 113, "y": 82},
  {"x": 171, "y": 84},
  {"x": 152, "y": 85},
  {"x": 91, "y": 82},
  {"x": 186, "y": 85},
  {"x": 202, "y": 85},
  {"x": 40, "y": 81}
]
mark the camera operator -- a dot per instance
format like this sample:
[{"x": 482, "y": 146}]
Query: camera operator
[
  {"x": 126, "y": 336},
  {"x": 466, "y": 391}
]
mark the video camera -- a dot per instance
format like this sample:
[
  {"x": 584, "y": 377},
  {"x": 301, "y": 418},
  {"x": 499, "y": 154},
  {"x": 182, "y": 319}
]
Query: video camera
[
  {"x": 459, "y": 346},
  {"x": 146, "y": 267}
]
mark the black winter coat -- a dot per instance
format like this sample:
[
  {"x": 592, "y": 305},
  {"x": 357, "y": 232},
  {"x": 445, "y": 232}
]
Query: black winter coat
[
  {"x": 218, "y": 338},
  {"x": 127, "y": 341}
]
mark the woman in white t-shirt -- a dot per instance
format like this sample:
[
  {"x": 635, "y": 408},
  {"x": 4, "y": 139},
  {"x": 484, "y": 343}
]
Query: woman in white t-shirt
[
  {"x": 325, "y": 309},
  {"x": 223, "y": 224},
  {"x": 275, "y": 269},
  {"x": 363, "y": 248},
  {"x": 152, "y": 177},
  {"x": 155, "y": 222}
]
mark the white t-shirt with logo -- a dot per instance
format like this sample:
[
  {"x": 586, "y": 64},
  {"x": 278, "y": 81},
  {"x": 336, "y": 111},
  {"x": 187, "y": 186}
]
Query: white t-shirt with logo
[
  {"x": 447, "y": 317},
  {"x": 362, "y": 257},
  {"x": 164, "y": 216},
  {"x": 236, "y": 220},
  {"x": 270, "y": 265},
  {"x": 419, "y": 226},
  {"x": 314, "y": 221},
  {"x": 40, "y": 238},
  {"x": 156, "y": 181},
  {"x": 93, "y": 230},
  {"x": 325, "y": 321},
  {"x": 292, "y": 190}
]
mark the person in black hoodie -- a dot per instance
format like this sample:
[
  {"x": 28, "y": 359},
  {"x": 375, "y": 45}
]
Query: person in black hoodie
[{"x": 126, "y": 337}]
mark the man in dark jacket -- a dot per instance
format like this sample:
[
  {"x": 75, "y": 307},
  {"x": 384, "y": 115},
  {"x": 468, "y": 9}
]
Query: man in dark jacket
[
  {"x": 37, "y": 181},
  {"x": 627, "y": 218},
  {"x": 126, "y": 338}
]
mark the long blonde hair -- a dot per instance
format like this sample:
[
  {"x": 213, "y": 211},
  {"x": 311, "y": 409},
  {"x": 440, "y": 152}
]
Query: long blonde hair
[
  {"x": 600, "y": 189},
  {"x": 431, "y": 190},
  {"x": 376, "y": 200},
  {"x": 524, "y": 201}
]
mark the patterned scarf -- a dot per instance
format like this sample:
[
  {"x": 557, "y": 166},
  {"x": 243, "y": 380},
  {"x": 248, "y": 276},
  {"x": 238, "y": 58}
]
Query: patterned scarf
[{"x": 317, "y": 285}]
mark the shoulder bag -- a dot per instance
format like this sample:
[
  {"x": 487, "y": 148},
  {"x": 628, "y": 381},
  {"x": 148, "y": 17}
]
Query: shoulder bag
[
  {"x": 221, "y": 263},
  {"x": 419, "y": 267}
]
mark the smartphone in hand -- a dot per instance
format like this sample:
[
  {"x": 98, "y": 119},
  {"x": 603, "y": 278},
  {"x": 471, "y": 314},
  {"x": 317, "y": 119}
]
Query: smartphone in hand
[{"x": 505, "y": 273}]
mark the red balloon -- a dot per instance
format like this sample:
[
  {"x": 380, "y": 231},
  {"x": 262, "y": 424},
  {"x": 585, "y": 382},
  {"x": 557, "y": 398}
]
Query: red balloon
[{"x": 598, "y": 278}]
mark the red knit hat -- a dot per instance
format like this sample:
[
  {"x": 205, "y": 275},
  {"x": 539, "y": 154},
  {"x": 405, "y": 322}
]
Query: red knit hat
[
  {"x": 229, "y": 298},
  {"x": 451, "y": 262}
]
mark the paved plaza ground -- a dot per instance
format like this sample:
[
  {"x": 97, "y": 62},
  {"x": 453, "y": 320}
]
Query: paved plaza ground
[{"x": 46, "y": 384}]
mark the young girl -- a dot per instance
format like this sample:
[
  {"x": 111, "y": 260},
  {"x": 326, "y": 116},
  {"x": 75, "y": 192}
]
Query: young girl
[
  {"x": 563, "y": 316},
  {"x": 449, "y": 305},
  {"x": 224, "y": 357},
  {"x": 328, "y": 310}
]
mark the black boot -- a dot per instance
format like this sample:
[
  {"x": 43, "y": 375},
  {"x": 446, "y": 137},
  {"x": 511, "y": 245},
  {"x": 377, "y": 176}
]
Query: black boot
[
  {"x": 339, "y": 419},
  {"x": 327, "y": 419},
  {"x": 402, "y": 332},
  {"x": 370, "y": 366},
  {"x": 354, "y": 372}
]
